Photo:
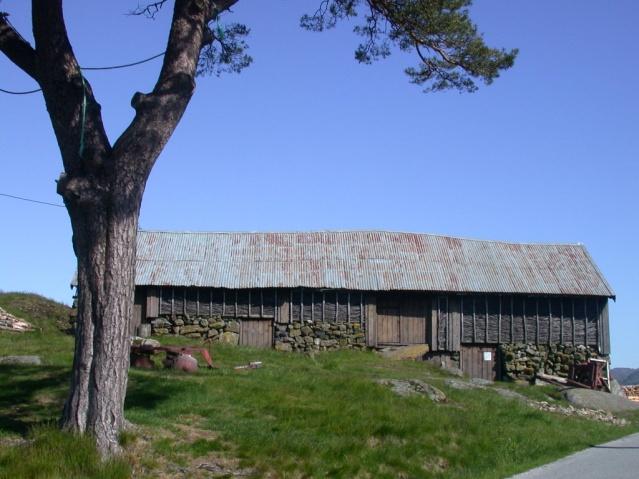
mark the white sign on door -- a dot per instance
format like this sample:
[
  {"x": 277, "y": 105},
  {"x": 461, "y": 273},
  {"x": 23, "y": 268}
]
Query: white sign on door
[{"x": 488, "y": 356}]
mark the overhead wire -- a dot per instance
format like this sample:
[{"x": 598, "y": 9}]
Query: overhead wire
[
  {"x": 30, "y": 200},
  {"x": 110, "y": 67}
]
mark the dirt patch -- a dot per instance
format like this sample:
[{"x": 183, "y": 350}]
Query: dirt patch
[
  {"x": 435, "y": 465},
  {"x": 194, "y": 452}
]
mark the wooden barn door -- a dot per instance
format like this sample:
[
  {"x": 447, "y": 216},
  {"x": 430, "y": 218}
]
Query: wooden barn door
[
  {"x": 256, "y": 332},
  {"x": 388, "y": 320},
  {"x": 480, "y": 362},
  {"x": 413, "y": 320}
]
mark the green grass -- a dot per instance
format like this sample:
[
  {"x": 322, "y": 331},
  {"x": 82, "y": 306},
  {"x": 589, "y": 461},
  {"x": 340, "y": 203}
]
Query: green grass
[{"x": 298, "y": 416}]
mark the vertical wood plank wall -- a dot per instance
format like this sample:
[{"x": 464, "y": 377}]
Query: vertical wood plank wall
[{"x": 444, "y": 321}]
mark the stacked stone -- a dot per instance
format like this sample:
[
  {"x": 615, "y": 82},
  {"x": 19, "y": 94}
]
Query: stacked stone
[
  {"x": 523, "y": 361},
  {"x": 10, "y": 323},
  {"x": 215, "y": 328},
  {"x": 319, "y": 336}
]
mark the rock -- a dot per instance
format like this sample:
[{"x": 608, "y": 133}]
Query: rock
[
  {"x": 137, "y": 341},
  {"x": 481, "y": 382},
  {"x": 453, "y": 371},
  {"x": 461, "y": 385},
  {"x": 204, "y": 322},
  {"x": 414, "y": 386},
  {"x": 213, "y": 333},
  {"x": 306, "y": 331},
  {"x": 233, "y": 327},
  {"x": 229, "y": 338},
  {"x": 186, "y": 330},
  {"x": 587, "y": 398},
  {"x": 178, "y": 322},
  {"x": 21, "y": 360},
  {"x": 217, "y": 325},
  {"x": 509, "y": 394},
  {"x": 294, "y": 333},
  {"x": 286, "y": 347},
  {"x": 414, "y": 352},
  {"x": 161, "y": 323},
  {"x": 9, "y": 322}
]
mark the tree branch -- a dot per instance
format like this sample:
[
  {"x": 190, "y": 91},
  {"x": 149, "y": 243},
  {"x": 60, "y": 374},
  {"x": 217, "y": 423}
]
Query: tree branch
[
  {"x": 16, "y": 48},
  {"x": 74, "y": 112},
  {"x": 158, "y": 112}
]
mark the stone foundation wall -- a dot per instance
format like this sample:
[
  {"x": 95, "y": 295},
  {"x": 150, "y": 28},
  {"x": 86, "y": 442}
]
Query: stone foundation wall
[
  {"x": 295, "y": 336},
  {"x": 226, "y": 330},
  {"x": 523, "y": 361},
  {"x": 318, "y": 336}
]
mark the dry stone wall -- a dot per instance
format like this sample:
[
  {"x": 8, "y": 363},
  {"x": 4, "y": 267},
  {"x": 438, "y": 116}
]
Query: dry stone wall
[
  {"x": 295, "y": 336},
  {"x": 319, "y": 336},
  {"x": 523, "y": 361},
  {"x": 214, "y": 328}
]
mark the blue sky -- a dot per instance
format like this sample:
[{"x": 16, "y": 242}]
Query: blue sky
[{"x": 307, "y": 139}]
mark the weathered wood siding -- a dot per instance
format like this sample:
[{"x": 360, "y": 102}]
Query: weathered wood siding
[
  {"x": 495, "y": 319},
  {"x": 444, "y": 321},
  {"x": 257, "y": 333},
  {"x": 402, "y": 318}
]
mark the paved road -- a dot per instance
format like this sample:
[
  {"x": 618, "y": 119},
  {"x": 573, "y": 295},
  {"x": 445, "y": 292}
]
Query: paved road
[{"x": 614, "y": 460}]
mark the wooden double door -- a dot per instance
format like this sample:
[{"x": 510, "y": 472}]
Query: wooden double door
[{"x": 401, "y": 320}]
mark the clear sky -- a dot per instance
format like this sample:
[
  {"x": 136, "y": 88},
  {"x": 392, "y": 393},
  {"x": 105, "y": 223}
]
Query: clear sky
[{"x": 307, "y": 139}]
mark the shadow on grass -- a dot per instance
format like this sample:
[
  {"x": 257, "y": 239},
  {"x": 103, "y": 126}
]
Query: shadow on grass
[
  {"x": 149, "y": 392},
  {"x": 30, "y": 396}
]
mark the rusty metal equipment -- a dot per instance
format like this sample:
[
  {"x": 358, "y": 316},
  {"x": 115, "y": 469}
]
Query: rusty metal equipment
[
  {"x": 177, "y": 357},
  {"x": 592, "y": 374}
]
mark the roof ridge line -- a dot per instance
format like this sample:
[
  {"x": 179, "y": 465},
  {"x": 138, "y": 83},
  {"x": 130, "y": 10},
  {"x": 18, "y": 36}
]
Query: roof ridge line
[{"x": 357, "y": 231}]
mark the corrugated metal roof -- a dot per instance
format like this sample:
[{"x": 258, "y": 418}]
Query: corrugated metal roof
[{"x": 365, "y": 260}]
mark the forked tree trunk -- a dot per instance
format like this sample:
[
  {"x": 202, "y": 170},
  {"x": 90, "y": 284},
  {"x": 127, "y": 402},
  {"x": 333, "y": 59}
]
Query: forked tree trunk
[
  {"x": 104, "y": 243},
  {"x": 102, "y": 187}
]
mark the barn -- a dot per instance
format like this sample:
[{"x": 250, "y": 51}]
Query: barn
[{"x": 468, "y": 301}]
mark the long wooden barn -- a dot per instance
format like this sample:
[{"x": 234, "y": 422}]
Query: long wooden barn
[{"x": 325, "y": 290}]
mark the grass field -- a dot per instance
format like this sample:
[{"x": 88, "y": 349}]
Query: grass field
[{"x": 298, "y": 416}]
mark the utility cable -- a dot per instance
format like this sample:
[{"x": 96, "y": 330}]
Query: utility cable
[
  {"x": 111, "y": 67},
  {"x": 32, "y": 201}
]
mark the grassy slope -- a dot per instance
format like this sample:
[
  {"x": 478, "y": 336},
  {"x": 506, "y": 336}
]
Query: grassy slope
[{"x": 298, "y": 416}]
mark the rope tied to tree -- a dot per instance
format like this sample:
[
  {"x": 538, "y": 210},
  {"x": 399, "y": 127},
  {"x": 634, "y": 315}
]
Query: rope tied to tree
[{"x": 83, "y": 114}]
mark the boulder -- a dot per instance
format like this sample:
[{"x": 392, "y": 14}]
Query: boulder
[
  {"x": 138, "y": 341},
  {"x": 186, "y": 330},
  {"x": 233, "y": 327},
  {"x": 229, "y": 338},
  {"x": 286, "y": 347},
  {"x": 587, "y": 398},
  {"x": 414, "y": 386},
  {"x": 414, "y": 352},
  {"x": 21, "y": 360}
]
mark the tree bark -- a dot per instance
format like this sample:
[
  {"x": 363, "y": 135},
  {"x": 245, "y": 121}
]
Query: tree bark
[
  {"x": 104, "y": 240},
  {"x": 102, "y": 188}
]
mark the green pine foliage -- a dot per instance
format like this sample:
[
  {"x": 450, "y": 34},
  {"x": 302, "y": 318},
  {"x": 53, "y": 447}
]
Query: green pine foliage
[{"x": 451, "y": 53}]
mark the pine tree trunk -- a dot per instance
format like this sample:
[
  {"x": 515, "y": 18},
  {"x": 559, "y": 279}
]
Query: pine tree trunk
[{"x": 104, "y": 240}]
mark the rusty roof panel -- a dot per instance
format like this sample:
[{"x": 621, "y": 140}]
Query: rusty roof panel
[{"x": 365, "y": 260}]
